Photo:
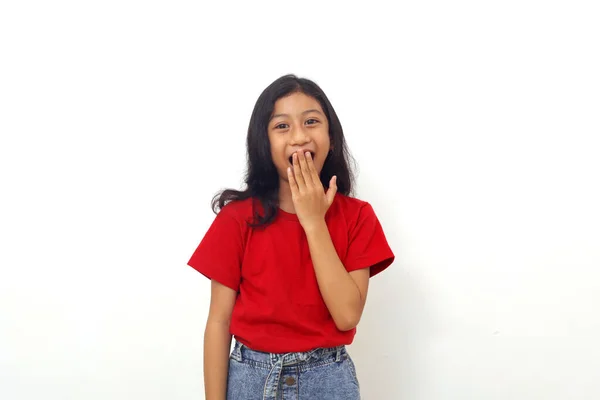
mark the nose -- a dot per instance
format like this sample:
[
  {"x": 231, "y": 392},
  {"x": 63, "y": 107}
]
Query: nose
[{"x": 298, "y": 136}]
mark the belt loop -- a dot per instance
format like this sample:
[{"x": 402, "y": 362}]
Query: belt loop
[
  {"x": 236, "y": 354},
  {"x": 338, "y": 354}
]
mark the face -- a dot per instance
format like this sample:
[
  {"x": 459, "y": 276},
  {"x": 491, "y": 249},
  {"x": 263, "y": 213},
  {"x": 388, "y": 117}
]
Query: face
[{"x": 298, "y": 123}]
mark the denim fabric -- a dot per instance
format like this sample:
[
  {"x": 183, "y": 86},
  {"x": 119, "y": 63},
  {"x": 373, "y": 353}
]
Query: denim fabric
[{"x": 321, "y": 374}]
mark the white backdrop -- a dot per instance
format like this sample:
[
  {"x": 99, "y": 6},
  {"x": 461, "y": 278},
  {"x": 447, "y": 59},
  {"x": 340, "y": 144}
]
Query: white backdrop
[{"x": 476, "y": 129}]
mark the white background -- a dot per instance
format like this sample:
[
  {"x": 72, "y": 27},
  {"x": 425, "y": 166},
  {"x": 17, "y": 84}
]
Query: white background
[{"x": 476, "y": 129}]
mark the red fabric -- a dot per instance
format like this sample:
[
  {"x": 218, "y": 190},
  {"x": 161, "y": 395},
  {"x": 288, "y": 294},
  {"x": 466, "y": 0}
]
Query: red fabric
[{"x": 279, "y": 307}]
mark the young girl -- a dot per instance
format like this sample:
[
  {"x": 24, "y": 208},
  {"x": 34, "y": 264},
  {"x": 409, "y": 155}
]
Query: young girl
[{"x": 289, "y": 258}]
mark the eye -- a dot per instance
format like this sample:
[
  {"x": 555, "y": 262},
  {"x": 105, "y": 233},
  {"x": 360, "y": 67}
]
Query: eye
[
  {"x": 281, "y": 126},
  {"x": 312, "y": 119}
]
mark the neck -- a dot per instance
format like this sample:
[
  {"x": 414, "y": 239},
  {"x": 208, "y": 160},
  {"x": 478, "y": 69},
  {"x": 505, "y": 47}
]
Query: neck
[{"x": 285, "y": 197}]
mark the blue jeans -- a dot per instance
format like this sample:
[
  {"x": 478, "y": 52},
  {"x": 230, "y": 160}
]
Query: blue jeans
[{"x": 323, "y": 374}]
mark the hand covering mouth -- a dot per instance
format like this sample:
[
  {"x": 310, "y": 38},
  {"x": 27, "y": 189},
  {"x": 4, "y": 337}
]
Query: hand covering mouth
[{"x": 312, "y": 155}]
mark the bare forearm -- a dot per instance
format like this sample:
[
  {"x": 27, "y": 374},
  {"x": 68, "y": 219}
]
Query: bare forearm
[
  {"x": 339, "y": 291},
  {"x": 217, "y": 344}
]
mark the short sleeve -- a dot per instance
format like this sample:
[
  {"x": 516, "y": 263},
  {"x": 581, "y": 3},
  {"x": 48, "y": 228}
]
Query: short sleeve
[
  {"x": 219, "y": 254},
  {"x": 368, "y": 246}
]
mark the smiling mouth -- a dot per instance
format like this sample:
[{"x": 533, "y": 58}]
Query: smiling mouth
[{"x": 312, "y": 155}]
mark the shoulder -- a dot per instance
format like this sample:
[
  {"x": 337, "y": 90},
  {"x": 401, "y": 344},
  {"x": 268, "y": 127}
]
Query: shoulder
[
  {"x": 349, "y": 202},
  {"x": 239, "y": 210},
  {"x": 352, "y": 208}
]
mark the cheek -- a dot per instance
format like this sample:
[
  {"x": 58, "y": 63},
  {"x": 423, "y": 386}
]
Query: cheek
[
  {"x": 276, "y": 150},
  {"x": 324, "y": 135},
  {"x": 325, "y": 144}
]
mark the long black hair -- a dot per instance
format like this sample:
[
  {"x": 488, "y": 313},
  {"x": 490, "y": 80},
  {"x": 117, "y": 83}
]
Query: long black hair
[{"x": 262, "y": 179}]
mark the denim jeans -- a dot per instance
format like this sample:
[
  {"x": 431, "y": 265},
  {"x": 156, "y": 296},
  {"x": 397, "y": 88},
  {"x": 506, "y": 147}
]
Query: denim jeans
[{"x": 320, "y": 374}]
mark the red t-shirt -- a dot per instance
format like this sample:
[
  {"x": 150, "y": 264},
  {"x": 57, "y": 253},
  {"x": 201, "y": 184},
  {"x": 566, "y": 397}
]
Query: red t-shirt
[{"x": 279, "y": 307}]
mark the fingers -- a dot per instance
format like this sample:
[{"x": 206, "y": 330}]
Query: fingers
[
  {"x": 308, "y": 171},
  {"x": 312, "y": 171},
  {"x": 332, "y": 190},
  {"x": 292, "y": 182},
  {"x": 298, "y": 174}
]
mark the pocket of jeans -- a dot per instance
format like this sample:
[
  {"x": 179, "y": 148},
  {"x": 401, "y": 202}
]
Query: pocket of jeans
[{"x": 352, "y": 369}]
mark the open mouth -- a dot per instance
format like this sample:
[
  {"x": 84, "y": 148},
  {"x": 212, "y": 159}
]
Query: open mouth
[{"x": 312, "y": 155}]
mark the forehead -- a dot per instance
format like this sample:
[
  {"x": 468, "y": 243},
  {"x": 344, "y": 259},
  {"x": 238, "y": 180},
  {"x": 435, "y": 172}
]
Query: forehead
[{"x": 296, "y": 103}]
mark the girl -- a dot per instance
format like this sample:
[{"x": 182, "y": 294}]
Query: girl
[{"x": 289, "y": 258}]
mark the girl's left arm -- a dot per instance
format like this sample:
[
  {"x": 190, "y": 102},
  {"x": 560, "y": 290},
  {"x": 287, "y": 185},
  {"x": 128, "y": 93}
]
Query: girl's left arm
[{"x": 344, "y": 293}]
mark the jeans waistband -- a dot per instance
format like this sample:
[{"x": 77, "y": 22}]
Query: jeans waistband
[{"x": 242, "y": 352}]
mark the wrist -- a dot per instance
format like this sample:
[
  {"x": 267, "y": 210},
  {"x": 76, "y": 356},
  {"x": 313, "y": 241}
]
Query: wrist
[{"x": 314, "y": 226}]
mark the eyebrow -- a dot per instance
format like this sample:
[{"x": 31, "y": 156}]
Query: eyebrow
[{"x": 303, "y": 112}]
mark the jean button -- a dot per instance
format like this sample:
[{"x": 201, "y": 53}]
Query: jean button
[{"x": 290, "y": 381}]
